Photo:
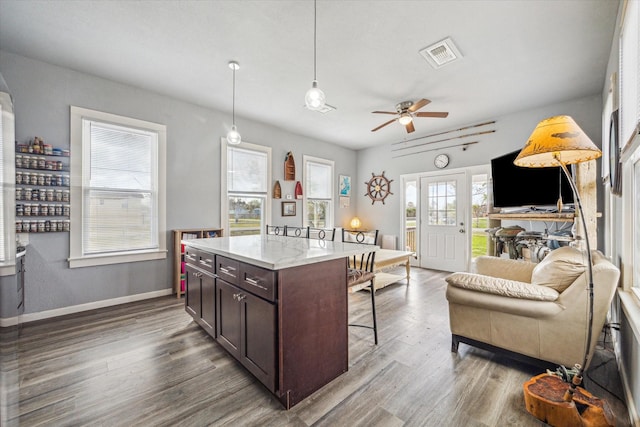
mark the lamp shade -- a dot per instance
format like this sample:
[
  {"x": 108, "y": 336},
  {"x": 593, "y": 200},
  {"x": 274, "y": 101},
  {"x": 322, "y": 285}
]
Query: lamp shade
[
  {"x": 355, "y": 223},
  {"x": 557, "y": 140}
]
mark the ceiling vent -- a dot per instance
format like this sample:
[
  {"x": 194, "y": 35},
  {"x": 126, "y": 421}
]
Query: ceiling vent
[{"x": 441, "y": 53}]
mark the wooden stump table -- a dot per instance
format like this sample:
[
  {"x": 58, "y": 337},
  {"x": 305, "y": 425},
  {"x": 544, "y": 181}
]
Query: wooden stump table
[{"x": 543, "y": 397}]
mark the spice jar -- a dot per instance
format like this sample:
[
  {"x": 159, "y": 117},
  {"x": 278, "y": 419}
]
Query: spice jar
[
  {"x": 19, "y": 209},
  {"x": 41, "y": 226},
  {"x": 51, "y": 197},
  {"x": 65, "y": 195},
  {"x": 19, "y": 193},
  {"x": 18, "y": 177},
  {"x": 18, "y": 226},
  {"x": 33, "y": 226},
  {"x": 66, "y": 210},
  {"x": 19, "y": 161},
  {"x": 42, "y": 163},
  {"x": 35, "y": 209},
  {"x": 26, "y": 195},
  {"x": 66, "y": 225},
  {"x": 44, "y": 209}
]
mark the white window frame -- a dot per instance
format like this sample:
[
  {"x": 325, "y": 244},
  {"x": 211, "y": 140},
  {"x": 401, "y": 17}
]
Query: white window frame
[
  {"x": 330, "y": 215},
  {"x": 79, "y": 164},
  {"x": 7, "y": 147},
  {"x": 224, "y": 191}
]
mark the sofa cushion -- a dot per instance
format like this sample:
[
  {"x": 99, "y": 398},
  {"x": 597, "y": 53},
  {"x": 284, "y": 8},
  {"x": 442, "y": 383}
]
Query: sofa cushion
[
  {"x": 502, "y": 287},
  {"x": 559, "y": 269}
]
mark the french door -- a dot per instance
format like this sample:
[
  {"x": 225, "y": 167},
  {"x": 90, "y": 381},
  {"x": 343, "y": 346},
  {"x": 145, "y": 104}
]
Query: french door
[{"x": 443, "y": 231}]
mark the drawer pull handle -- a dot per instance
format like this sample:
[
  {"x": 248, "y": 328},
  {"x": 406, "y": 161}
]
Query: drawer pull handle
[
  {"x": 254, "y": 282},
  {"x": 227, "y": 270}
]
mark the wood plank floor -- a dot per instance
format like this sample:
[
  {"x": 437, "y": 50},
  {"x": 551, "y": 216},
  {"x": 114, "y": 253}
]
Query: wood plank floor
[{"x": 148, "y": 364}]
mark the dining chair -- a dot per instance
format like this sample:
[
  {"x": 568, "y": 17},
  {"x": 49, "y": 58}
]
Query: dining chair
[
  {"x": 278, "y": 230},
  {"x": 369, "y": 237},
  {"x": 360, "y": 272},
  {"x": 322, "y": 233},
  {"x": 291, "y": 231}
]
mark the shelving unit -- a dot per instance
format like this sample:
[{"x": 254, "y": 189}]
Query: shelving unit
[
  {"x": 43, "y": 199},
  {"x": 178, "y": 250}
]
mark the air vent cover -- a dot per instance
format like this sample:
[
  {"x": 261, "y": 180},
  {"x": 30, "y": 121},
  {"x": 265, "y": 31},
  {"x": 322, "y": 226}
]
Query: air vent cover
[{"x": 441, "y": 53}]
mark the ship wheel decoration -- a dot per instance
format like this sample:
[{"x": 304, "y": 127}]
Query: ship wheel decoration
[{"x": 378, "y": 188}]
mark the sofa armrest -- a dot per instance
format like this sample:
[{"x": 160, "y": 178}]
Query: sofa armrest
[
  {"x": 503, "y": 287},
  {"x": 511, "y": 269}
]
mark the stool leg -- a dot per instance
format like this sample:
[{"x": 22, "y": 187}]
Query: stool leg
[{"x": 373, "y": 310}]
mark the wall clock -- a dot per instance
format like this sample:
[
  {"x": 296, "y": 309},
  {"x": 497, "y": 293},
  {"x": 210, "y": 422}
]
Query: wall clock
[
  {"x": 441, "y": 161},
  {"x": 378, "y": 188}
]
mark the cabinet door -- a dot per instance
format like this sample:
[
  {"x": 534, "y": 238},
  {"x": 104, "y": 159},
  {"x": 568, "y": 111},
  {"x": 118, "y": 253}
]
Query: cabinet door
[
  {"x": 258, "y": 349},
  {"x": 192, "y": 293},
  {"x": 208, "y": 301},
  {"x": 228, "y": 317}
]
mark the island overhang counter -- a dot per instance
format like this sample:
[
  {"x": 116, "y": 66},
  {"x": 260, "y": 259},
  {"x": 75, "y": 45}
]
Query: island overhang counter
[{"x": 277, "y": 304}]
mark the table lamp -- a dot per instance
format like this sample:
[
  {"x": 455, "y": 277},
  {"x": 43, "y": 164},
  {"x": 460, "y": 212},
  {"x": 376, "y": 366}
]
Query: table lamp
[
  {"x": 355, "y": 223},
  {"x": 559, "y": 141}
]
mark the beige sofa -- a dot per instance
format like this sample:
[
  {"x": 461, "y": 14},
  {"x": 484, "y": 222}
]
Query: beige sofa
[{"x": 537, "y": 310}]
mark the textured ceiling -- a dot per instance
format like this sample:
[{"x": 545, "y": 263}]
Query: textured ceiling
[{"x": 517, "y": 55}]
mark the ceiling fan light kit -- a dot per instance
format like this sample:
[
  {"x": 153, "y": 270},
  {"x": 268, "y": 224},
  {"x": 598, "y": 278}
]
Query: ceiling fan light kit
[
  {"x": 233, "y": 136},
  {"x": 406, "y": 111}
]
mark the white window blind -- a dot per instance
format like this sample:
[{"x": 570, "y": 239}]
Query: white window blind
[
  {"x": 629, "y": 72},
  {"x": 246, "y": 170},
  {"x": 120, "y": 192},
  {"x": 319, "y": 180}
]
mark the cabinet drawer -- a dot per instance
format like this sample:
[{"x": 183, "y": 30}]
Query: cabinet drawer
[
  {"x": 228, "y": 269},
  {"x": 258, "y": 281},
  {"x": 200, "y": 259},
  {"x": 206, "y": 262},
  {"x": 191, "y": 255}
]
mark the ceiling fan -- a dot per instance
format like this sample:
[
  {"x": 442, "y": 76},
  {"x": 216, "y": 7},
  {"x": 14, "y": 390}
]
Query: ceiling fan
[{"x": 406, "y": 111}]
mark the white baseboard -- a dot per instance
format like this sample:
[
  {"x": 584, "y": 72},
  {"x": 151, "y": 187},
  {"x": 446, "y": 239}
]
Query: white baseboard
[{"x": 47, "y": 314}]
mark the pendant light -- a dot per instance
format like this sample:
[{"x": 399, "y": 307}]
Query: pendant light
[
  {"x": 314, "y": 98},
  {"x": 233, "y": 136}
]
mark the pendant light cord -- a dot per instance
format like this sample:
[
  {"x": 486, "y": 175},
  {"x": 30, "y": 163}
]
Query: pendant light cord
[
  {"x": 314, "y": 39},
  {"x": 233, "y": 104}
]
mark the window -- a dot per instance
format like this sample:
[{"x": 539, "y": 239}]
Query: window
[
  {"x": 318, "y": 192},
  {"x": 7, "y": 236},
  {"x": 410, "y": 209},
  {"x": 635, "y": 184},
  {"x": 442, "y": 203},
  {"x": 117, "y": 189},
  {"x": 246, "y": 174}
]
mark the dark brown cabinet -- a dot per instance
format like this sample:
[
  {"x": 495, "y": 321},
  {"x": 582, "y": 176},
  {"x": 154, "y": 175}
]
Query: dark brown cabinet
[
  {"x": 287, "y": 327},
  {"x": 200, "y": 291},
  {"x": 246, "y": 327}
]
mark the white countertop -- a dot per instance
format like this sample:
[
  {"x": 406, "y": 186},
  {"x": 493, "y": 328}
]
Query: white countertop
[{"x": 278, "y": 252}]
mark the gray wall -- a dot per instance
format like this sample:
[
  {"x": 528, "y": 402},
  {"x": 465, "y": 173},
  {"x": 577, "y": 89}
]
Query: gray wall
[
  {"x": 42, "y": 95},
  {"x": 512, "y": 131}
]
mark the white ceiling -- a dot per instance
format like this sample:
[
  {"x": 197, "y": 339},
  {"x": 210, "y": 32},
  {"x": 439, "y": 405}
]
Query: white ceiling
[{"x": 517, "y": 55}]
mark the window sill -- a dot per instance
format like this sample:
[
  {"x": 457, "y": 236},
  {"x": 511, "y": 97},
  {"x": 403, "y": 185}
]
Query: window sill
[
  {"x": 119, "y": 258},
  {"x": 630, "y": 301}
]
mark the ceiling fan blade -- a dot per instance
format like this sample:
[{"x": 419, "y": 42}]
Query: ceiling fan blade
[
  {"x": 384, "y": 112},
  {"x": 432, "y": 114},
  {"x": 418, "y": 105},
  {"x": 383, "y": 125},
  {"x": 409, "y": 127}
]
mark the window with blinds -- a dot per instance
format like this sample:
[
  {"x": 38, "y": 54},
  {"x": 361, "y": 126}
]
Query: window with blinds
[
  {"x": 118, "y": 196},
  {"x": 3, "y": 251},
  {"x": 318, "y": 193},
  {"x": 120, "y": 189},
  {"x": 246, "y": 176}
]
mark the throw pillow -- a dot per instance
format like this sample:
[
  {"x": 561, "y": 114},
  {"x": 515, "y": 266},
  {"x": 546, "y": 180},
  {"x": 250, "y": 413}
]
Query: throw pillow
[
  {"x": 559, "y": 269},
  {"x": 502, "y": 287}
]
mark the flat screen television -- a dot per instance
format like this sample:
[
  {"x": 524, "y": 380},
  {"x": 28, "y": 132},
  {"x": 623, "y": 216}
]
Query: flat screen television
[{"x": 516, "y": 186}]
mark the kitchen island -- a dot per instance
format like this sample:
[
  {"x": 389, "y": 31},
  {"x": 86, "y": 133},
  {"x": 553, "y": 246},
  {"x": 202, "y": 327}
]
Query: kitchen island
[{"x": 277, "y": 304}]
